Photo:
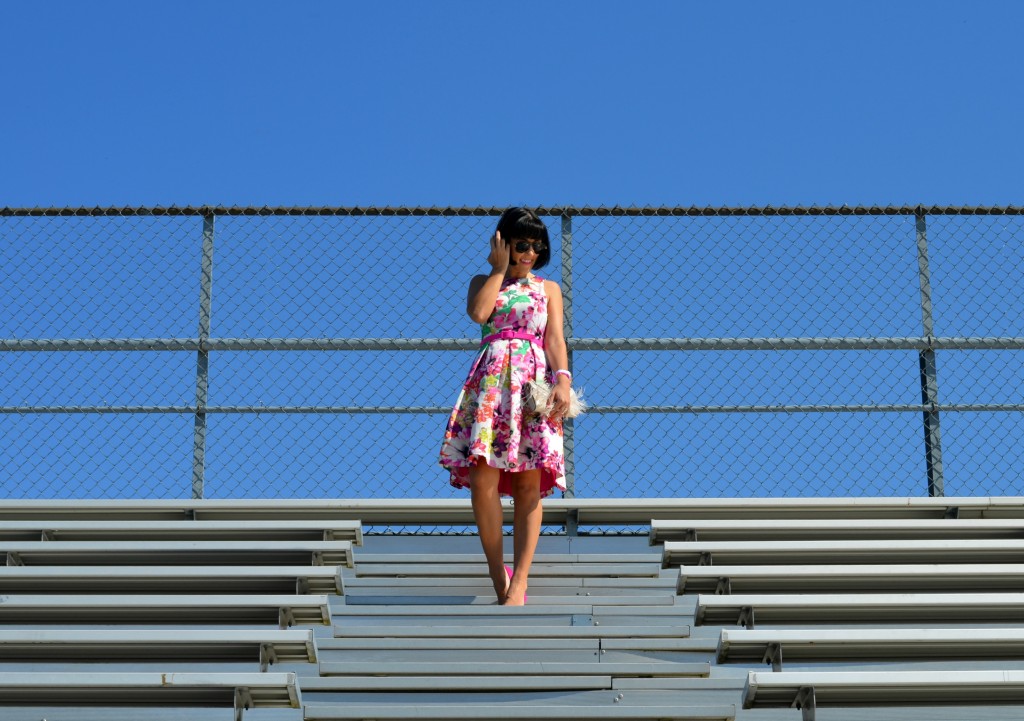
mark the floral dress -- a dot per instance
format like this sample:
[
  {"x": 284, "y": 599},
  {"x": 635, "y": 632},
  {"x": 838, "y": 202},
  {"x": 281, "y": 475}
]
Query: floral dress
[{"x": 489, "y": 421}]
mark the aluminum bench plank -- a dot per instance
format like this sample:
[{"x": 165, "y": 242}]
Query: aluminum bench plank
[
  {"x": 656, "y": 644},
  {"x": 863, "y": 607},
  {"x": 666, "y": 581},
  {"x": 515, "y": 643},
  {"x": 668, "y": 611},
  {"x": 237, "y": 690},
  {"x": 477, "y": 559},
  {"x": 284, "y": 610},
  {"x": 435, "y": 661},
  {"x": 458, "y": 684},
  {"x": 483, "y": 618},
  {"x": 519, "y": 668},
  {"x": 739, "y": 553},
  {"x": 713, "y": 684},
  {"x": 171, "y": 579},
  {"x": 474, "y": 643},
  {"x": 636, "y": 617},
  {"x": 500, "y": 612},
  {"x": 584, "y": 645},
  {"x": 833, "y": 529},
  {"x": 886, "y": 644},
  {"x": 976, "y": 577},
  {"x": 480, "y": 625},
  {"x": 889, "y": 688},
  {"x": 177, "y": 552},
  {"x": 548, "y": 599},
  {"x": 266, "y": 646},
  {"x": 460, "y": 631},
  {"x": 514, "y": 710},
  {"x": 600, "y": 511},
  {"x": 479, "y": 569},
  {"x": 492, "y": 611},
  {"x": 483, "y": 588},
  {"x": 156, "y": 530},
  {"x": 612, "y": 510},
  {"x": 369, "y": 511}
]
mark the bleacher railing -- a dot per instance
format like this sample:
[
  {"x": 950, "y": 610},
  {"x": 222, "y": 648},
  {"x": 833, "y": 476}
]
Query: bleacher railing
[{"x": 317, "y": 352}]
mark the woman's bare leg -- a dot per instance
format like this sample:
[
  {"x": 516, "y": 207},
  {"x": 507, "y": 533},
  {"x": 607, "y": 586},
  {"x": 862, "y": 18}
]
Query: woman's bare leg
[
  {"x": 488, "y": 514},
  {"x": 526, "y": 529}
]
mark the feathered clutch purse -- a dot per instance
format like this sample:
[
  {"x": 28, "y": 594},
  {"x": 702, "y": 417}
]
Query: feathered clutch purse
[{"x": 538, "y": 393}]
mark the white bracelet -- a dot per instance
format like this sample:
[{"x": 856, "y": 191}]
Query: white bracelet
[{"x": 567, "y": 374}]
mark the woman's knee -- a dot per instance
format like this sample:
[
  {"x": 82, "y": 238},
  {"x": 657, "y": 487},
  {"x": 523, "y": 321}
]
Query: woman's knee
[
  {"x": 481, "y": 469},
  {"x": 483, "y": 477},
  {"x": 526, "y": 484}
]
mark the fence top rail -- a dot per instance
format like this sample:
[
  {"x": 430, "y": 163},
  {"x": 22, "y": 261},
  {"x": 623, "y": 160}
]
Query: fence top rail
[{"x": 544, "y": 210}]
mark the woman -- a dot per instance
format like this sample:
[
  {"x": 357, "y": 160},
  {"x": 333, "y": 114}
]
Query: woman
[{"x": 493, "y": 445}]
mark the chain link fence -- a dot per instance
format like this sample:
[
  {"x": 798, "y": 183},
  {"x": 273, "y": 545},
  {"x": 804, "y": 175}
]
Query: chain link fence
[{"x": 317, "y": 352}]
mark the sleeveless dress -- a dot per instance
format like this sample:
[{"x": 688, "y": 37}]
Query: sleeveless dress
[{"x": 488, "y": 422}]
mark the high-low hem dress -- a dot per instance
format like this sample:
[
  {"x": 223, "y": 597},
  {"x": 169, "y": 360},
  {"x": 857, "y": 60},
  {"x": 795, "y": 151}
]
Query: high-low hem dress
[{"x": 489, "y": 422}]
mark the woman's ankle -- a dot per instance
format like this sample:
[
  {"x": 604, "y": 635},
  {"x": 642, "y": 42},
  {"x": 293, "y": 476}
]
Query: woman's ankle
[{"x": 501, "y": 585}]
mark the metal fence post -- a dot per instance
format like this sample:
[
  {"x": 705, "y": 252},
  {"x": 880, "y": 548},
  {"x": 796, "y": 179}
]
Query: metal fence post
[
  {"x": 926, "y": 363},
  {"x": 203, "y": 359},
  {"x": 567, "y": 426}
]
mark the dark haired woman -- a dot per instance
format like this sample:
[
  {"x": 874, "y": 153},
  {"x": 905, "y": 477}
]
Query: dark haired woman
[{"x": 493, "y": 445}]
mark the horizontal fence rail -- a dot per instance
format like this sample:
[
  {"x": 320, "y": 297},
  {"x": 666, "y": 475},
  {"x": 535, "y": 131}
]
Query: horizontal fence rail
[
  {"x": 986, "y": 407},
  {"x": 357, "y": 287},
  {"x": 723, "y": 344}
]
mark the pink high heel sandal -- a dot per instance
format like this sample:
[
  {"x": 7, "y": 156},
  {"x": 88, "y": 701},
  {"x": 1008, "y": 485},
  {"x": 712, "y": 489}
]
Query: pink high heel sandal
[{"x": 509, "y": 572}]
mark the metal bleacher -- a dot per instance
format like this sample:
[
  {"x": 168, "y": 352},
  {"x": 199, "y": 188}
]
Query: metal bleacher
[{"x": 749, "y": 609}]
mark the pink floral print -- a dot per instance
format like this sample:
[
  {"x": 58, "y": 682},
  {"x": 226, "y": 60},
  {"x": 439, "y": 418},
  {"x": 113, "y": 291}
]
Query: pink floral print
[{"x": 488, "y": 421}]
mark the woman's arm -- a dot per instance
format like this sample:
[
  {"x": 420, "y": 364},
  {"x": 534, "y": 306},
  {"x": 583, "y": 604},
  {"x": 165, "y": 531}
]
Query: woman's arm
[
  {"x": 483, "y": 292},
  {"x": 555, "y": 348},
  {"x": 484, "y": 289}
]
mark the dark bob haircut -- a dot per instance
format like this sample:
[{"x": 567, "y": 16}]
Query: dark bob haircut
[{"x": 523, "y": 224}]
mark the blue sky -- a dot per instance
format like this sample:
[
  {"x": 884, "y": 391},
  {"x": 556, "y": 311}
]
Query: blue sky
[
  {"x": 476, "y": 103},
  {"x": 465, "y": 103}
]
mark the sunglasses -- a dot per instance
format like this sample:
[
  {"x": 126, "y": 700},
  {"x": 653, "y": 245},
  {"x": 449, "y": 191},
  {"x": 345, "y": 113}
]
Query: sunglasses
[{"x": 522, "y": 246}]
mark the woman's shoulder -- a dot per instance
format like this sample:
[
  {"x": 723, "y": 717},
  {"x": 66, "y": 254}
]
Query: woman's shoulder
[
  {"x": 477, "y": 281},
  {"x": 550, "y": 286}
]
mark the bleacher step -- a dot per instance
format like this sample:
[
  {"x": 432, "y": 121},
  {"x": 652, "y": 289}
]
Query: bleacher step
[
  {"x": 461, "y": 559},
  {"x": 629, "y": 584},
  {"x": 166, "y": 609},
  {"x": 492, "y": 642},
  {"x": 490, "y": 600},
  {"x": 191, "y": 552},
  {"x": 175, "y": 579},
  {"x": 162, "y": 530},
  {"x": 497, "y": 612},
  {"x": 512, "y": 710},
  {"x": 518, "y": 668},
  {"x": 432, "y": 631},
  {"x": 457, "y": 684},
  {"x": 750, "y": 553},
  {"x": 812, "y": 529},
  {"x": 935, "y": 577},
  {"x": 478, "y": 569}
]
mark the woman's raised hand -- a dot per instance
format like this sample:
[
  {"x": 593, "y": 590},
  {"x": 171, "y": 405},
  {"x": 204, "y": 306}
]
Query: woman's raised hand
[{"x": 500, "y": 253}]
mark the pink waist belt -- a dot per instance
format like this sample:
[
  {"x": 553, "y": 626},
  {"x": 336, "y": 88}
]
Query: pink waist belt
[{"x": 506, "y": 334}]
